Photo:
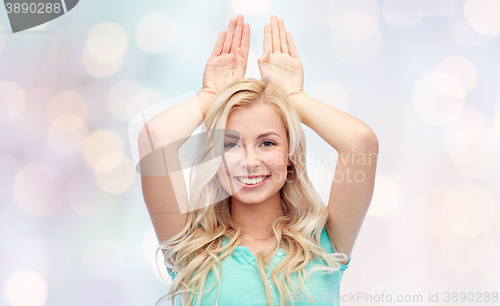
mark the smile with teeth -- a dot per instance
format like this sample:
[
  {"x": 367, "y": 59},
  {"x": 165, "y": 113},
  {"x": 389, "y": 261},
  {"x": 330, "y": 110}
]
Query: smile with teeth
[{"x": 252, "y": 181}]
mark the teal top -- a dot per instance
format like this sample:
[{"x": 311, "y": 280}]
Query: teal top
[{"x": 241, "y": 283}]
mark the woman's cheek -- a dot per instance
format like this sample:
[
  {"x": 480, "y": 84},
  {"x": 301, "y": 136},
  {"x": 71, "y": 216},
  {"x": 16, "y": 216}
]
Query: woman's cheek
[
  {"x": 222, "y": 174},
  {"x": 225, "y": 175},
  {"x": 274, "y": 158}
]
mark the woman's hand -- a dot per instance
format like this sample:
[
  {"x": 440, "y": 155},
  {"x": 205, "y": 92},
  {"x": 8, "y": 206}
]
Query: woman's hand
[
  {"x": 228, "y": 61},
  {"x": 280, "y": 63}
]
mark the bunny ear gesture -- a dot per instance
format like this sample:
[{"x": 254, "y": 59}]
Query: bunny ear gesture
[
  {"x": 228, "y": 61},
  {"x": 280, "y": 63}
]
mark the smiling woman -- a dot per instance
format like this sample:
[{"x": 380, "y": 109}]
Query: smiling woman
[{"x": 256, "y": 229}]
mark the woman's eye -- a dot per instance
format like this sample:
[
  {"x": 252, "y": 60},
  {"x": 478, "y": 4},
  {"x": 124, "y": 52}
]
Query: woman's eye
[
  {"x": 269, "y": 143},
  {"x": 229, "y": 145}
]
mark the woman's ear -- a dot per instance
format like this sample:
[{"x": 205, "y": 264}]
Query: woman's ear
[{"x": 289, "y": 160}]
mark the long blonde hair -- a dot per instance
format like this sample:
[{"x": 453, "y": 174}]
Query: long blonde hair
[{"x": 194, "y": 251}]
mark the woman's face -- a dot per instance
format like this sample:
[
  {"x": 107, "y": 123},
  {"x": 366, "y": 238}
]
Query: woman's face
[{"x": 261, "y": 152}]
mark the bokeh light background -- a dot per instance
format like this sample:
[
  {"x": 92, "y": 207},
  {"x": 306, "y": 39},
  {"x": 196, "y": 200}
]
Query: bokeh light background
[{"x": 423, "y": 74}]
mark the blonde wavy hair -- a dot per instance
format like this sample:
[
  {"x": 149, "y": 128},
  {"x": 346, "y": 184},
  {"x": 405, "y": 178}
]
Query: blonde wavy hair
[{"x": 194, "y": 251}]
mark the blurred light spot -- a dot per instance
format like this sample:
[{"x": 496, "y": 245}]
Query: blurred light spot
[
  {"x": 13, "y": 101},
  {"x": 99, "y": 144},
  {"x": 107, "y": 43},
  {"x": 118, "y": 96},
  {"x": 483, "y": 16},
  {"x": 18, "y": 285},
  {"x": 142, "y": 100},
  {"x": 462, "y": 69},
  {"x": 354, "y": 37},
  {"x": 87, "y": 199},
  {"x": 98, "y": 69},
  {"x": 155, "y": 33},
  {"x": 441, "y": 8},
  {"x": 402, "y": 13},
  {"x": 354, "y": 26},
  {"x": 469, "y": 138},
  {"x": 22, "y": 253},
  {"x": 332, "y": 94},
  {"x": 67, "y": 134},
  {"x": 427, "y": 219},
  {"x": 109, "y": 161},
  {"x": 469, "y": 254},
  {"x": 104, "y": 259},
  {"x": 449, "y": 85},
  {"x": 385, "y": 197},
  {"x": 10, "y": 166},
  {"x": 464, "y": 32},
  {"x": 67, "y": 103},
  {"x": 38, "y": 189},
  {"x": 251, "y": 7},
  {"x": 468, "y": 209},
  {"x": 338, "y": 7},
  {"x": 438, "y": 98},
  {"x": 115, "y": 179}
]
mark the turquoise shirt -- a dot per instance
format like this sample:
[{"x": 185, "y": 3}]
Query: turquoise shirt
[{"x": 241, "y": 283}]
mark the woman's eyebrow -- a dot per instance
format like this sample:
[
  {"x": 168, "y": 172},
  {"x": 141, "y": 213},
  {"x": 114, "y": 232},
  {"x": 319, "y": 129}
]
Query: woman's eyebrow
[
  {"x": 267, "y": 134},
  {"x": 258, "y": 137}
]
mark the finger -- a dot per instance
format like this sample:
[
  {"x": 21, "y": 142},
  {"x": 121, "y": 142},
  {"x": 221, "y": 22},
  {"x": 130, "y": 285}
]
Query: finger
[
  {"x": 237, "y": 34},
  {"x": 291, "y": 45},
  {"x": 245, "y": 42},
  {"x": 240, "y": 64},
  {"x": 284, "y": 43},
  {"x": 229, "y": 36},
  {"x": 268, "y": 40},
  {"x": 275, "y": 33},
  {"x": 220, "y": 42}
]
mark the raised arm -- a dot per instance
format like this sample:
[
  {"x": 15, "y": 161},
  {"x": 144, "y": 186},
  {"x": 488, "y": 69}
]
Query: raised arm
[
  {"x": 227, "y": 64},
  {"x": 355, "y": 142}
]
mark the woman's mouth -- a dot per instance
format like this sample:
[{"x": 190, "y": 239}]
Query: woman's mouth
[{"x": 252, "y": 182}]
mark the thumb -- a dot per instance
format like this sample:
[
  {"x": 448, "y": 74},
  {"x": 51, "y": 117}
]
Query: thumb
[
  {"x": 265, "y": 56},
  {"x": 263, "y": 63}
]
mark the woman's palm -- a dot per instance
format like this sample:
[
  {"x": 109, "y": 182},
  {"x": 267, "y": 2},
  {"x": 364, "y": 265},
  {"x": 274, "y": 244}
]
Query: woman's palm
[
  {"x": 222, "y": 71},
  {"x": 285, "y": 71},
  {"x": 280, "y": 64},
  {"x": 228, "y": 61}
]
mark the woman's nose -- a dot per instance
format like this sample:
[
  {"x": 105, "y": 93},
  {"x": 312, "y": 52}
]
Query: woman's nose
[{"x": 252, "y": 158}]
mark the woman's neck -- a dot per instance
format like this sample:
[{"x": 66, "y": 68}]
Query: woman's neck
[{"x": 256, "y": 220}]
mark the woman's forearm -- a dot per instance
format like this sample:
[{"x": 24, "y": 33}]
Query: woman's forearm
[
  {"x": 342, "y": 131},
  {"x": 175, "y": 123}
]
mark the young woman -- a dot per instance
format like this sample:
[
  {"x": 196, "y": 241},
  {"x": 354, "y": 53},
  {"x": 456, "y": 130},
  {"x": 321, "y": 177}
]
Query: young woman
[{"x": 255, "y": 231}]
